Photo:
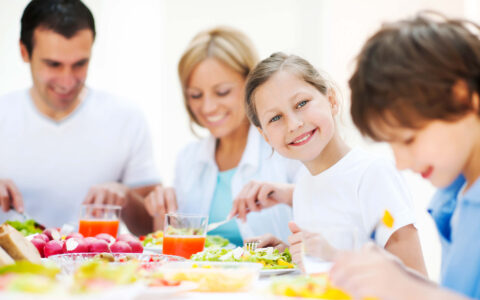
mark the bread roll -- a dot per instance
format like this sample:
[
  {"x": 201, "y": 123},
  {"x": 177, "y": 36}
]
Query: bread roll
[
  {"x": 5, "y": 259},
  {"x": 17, "y": 246}
]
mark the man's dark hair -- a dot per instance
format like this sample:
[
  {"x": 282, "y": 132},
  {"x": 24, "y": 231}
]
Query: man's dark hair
[
  {"x": 65, "y": 17},
  {"x": 406, "y": 72}
]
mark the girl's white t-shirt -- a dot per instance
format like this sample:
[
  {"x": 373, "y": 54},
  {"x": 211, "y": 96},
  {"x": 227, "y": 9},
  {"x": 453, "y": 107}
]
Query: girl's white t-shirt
[{"x": 353, "y": 193}]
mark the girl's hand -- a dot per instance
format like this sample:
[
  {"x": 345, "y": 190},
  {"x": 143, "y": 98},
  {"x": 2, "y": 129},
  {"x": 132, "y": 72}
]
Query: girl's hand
[
  {"x": 160, "y": 201},
  {"x": 373, "y": 272},
  {"x": 256, "y": 196},
  {"x": 295, "y": 241},
  {"x": 268, "y": 240}
]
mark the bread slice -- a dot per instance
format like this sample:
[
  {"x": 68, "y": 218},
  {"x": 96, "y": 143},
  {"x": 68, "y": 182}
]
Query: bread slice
[
  {"x": 5, "y": 259},
  {"x": 17, "y": 246}
]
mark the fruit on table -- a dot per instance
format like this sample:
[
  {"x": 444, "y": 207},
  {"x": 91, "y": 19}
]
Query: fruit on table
[
  {"x": 52, "y": 233},
  {"x": 98, "y": 246},
  {"x": 106, "y": 237},
  {"x": 121, "y": 247},
  {"x": 53, "y": 247},
  {"x": 136, "y": 246},
  {"x": 40, "y": 245},
  {"x": 126, "y": 237},
  {"x": 74, "y": 235},
  {"x": 75, "y": 245}
]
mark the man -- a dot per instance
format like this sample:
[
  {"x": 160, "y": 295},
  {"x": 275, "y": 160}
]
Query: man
[{"x": 63, "y": 143}]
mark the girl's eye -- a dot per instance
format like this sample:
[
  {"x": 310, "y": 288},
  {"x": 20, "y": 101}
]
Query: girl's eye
[
  {"x": 409, "y": 141},
  {"x": 274, "y": 119},
  {"x": 302, "y": 103},
  {"x": 223, "y": 93}
]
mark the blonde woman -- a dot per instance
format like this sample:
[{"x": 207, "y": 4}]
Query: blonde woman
[{"x": 213, "y": 172}]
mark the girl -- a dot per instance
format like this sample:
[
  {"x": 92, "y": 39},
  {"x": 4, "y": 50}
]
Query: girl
[
  {"x": 293, "y": 108},
  {"x": 211, "y": 172},
  {"x": 416, "y": 86}
]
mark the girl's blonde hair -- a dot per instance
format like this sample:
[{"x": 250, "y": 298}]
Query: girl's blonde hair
[
  {"x": 277, "y": 62},
  {"x": 227, "y": 45}
]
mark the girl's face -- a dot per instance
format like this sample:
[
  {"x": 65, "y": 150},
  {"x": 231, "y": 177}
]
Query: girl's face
[
  {"x": 295, "y": 118},
  {"x": 439, "y": 151},
  {"x": 215, "y": 95}
]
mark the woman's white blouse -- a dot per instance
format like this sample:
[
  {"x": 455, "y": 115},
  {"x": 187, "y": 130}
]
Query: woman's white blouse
[{"x": 196, "y": 176}]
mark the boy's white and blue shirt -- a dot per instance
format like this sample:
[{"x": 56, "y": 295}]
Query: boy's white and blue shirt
[{"x": 460, "y": 244}]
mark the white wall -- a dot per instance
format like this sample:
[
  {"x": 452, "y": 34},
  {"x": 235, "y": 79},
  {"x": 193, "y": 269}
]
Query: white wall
[{"x": 139, "y": 43}]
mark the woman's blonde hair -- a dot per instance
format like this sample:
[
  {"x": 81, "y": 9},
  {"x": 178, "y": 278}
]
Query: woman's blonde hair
[
  {"x": 227, "y": 45},
  {"x": 273, "y": 64}
]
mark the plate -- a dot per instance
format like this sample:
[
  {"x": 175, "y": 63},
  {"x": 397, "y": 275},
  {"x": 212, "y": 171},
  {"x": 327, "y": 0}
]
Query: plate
[
  {"x": 273, "y": 272},
  {"x": 153, "y": 249},
  {"x": 165, "y": 291}
]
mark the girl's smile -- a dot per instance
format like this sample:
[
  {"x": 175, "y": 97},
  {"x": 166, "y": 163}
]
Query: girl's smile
[{"x": 303, "y": 138}]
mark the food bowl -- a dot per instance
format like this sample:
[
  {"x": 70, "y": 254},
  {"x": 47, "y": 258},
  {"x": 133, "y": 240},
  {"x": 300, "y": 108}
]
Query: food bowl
[
  {"x": 214, "y": 276},
  {"x": 68, "y": 262}
]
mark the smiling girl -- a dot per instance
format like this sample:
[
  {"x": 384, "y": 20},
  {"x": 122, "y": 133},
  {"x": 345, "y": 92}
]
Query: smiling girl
[{"x": 294, "y": 109}]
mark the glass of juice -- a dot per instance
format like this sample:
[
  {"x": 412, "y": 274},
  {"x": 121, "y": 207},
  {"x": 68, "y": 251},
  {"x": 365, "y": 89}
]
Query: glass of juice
[
  {"x": 98, "y": 218},
  {"x": 184, "y": 234}
]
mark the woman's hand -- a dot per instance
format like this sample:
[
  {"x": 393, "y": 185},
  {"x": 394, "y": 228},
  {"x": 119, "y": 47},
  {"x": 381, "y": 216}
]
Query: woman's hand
[
  {"x": 256, "y": 196},
  {"x": 373, "y": 272},
  {"x": 160, "y": 201}
]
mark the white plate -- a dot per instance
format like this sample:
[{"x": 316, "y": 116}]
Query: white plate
[
  {"x": 165, "y": 291},
  {"x": 272, "y": 272},
  {"x": 153, "y": 249}
]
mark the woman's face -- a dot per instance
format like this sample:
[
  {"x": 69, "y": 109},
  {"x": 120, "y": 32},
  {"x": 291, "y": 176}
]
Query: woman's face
[{"x": 215, "y": 95}]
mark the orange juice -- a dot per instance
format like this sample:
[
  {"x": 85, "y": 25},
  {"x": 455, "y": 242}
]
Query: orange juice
[
  {"x": 183, "y": 246},
  {"x": 94, "y": 227}
]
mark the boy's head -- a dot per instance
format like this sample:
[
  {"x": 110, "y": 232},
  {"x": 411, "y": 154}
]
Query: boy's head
[
  {"x": 416, "y": 86},
  {"x": 409, "y": 73}
]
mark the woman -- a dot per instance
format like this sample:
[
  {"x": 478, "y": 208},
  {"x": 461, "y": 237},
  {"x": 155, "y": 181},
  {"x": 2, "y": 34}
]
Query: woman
[{"x": 214, "y": 171}]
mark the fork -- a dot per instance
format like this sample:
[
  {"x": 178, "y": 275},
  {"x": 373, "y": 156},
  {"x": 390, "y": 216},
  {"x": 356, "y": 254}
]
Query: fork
[
  {"x": 250, "y": 246},
  {"x": 215, "y": 225}
]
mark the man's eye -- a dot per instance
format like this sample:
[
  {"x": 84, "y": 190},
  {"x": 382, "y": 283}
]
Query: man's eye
[
  {"x": 274, "y": 119},
  {"x": 53, "y": 64},
  {"x": 302, "y": 103}
]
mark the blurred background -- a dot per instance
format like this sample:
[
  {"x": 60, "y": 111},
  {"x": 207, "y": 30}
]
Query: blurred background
[{"x": 139, "y": 43}]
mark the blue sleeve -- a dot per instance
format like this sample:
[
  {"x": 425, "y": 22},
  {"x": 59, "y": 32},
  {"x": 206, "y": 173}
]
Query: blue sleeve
[{"x": 461, "y": 259}]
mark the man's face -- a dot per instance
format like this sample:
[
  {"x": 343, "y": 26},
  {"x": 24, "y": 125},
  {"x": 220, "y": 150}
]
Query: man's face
[{"x": 59, "y": 67}]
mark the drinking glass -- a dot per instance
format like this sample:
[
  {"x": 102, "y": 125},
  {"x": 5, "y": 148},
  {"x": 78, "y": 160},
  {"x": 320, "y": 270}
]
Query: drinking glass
[
  {"x": 99, "y": 218},
  {"x": 319, "y": 247},
  {"x": 184, "y": 234}
]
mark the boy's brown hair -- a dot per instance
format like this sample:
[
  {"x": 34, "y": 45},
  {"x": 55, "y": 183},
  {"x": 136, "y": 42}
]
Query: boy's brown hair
[{"x": 407, "y": 71}]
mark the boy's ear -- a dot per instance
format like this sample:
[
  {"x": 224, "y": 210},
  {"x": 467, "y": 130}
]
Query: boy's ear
[
  {"x": 475, "y": 102},
  {"x": 263, "y": 134},
  {"x": 461, "y": 92},
  {"x": 332, "y": 99},
  {"x": 24, "y": 53}
]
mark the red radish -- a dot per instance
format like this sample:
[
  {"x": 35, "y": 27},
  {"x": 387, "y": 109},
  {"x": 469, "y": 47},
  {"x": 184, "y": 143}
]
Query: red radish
[
  {"x": 98, "y": 246},
  {"x": 74, "y": 235},
  {"x": 121, "y": 247},
  {"x": 136, "y": 246},
  {"x": 42, "y": 236},
  {"x": 52, "y": 234},
  {"x": 53, "y": 247},
  {"x": 75, "y": 245},
  {"x": 125, "y": 237},
  {"x": 40, "y": 244},
  {"x": 106, "y": 237}
]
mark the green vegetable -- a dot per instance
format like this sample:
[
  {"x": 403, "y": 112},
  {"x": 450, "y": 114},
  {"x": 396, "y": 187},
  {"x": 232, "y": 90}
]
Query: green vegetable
[
  {"x": 26, "y": 228},
  {"x": 270, "y": 258},
  {"x": 216, "y": 241}
]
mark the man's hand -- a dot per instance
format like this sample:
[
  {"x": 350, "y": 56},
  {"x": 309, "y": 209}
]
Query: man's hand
[
  {"x": 160, "y": 201},
  {"x": 256, "y": 196},
  {"x": 268, "y": 240},
  {"x": 113, "y": 193},
  {"x": 10, "y": 196}
]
